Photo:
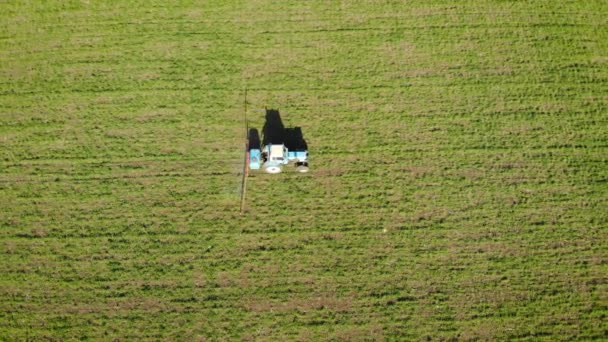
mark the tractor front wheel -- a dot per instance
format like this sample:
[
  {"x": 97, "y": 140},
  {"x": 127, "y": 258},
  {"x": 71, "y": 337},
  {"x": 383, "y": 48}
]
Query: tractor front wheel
[
  {"x": 273, "y": 169},
  {"x": 302, "y": 167}
]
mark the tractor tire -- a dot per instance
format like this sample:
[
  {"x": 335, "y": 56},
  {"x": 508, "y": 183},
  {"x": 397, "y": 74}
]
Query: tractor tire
[
  {"x": 302, "y": 167},
  {"x": 273, "y": 169}
]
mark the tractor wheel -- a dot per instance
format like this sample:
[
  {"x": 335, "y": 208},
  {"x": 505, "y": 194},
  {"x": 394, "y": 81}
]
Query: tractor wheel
[
  {"x": 302, "y": 167},
  {"x": 273, "y": 169}
]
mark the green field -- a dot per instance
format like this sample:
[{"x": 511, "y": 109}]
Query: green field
[{"x": 458, "y": 185}]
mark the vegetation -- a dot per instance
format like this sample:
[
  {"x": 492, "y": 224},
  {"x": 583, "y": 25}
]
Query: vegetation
[{"x": 457, "y": 186}]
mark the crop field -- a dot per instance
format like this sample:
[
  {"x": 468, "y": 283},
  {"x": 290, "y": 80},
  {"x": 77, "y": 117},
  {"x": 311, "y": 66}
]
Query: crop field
[{"x": 458, "y": 186}]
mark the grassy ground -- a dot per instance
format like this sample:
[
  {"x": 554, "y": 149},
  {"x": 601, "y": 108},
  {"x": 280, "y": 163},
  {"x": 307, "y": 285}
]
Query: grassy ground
[{"x": 458, "y": 185}]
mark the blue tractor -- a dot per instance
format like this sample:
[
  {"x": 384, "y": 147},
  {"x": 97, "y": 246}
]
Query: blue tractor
[{"x": 280, "y": 146}]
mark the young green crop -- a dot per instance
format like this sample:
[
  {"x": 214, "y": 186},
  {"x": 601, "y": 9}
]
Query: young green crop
[{"x": 457, "y": 186}]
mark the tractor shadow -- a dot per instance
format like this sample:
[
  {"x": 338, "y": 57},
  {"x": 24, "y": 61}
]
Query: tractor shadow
[
  {"x": 275, "y": 132},
  {"x": 294, "y": 139},
  {"x": 254, "y": 138}
]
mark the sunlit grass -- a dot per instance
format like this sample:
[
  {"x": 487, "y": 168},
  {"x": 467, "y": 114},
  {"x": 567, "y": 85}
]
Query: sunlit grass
[{"x": 457, "y": 186}]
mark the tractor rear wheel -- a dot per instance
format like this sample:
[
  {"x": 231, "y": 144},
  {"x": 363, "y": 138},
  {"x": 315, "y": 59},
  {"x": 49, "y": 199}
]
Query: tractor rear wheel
[
  {"x": 273, "y": 169},
  {"x": 302, "y": 167}
]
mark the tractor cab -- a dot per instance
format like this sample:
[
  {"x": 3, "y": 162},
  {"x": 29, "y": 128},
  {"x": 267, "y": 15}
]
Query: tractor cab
[
  {"x": 274, "y": 156},
  {"x": 278, "y": 153}
]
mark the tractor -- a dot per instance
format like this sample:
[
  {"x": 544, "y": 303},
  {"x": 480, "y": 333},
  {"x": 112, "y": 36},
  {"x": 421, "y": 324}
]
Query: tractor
[{"x": 280, "y": 146}]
